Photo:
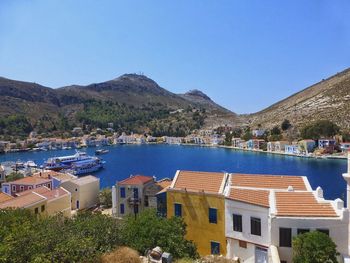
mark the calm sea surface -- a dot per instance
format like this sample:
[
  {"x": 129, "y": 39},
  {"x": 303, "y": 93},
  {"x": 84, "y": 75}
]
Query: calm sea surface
[{"x": 163, "y": 161}]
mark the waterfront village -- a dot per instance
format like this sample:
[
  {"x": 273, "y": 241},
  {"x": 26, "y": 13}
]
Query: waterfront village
[
  {"x": 259, "y": 140},
  {"x": 242, "y": 217}
]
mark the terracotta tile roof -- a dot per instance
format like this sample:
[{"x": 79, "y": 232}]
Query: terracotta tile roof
[
  {"x": 39, "y": 190},
  {"x": 209, "y": 182},
  {"x": 268, "y": 181},
  {"x": 255, "y": 197},
  {"x": 302, "y": 204},
  {"x": 49, "y": 174},
  {"x": 164, "y": 183},
  {"x": 55, "y": 193},
  {"x": 136, "y": 180},
  {"x": 22, "y": 201},
  {"x": 31, "y": 180},
  {"x": 5, "y": 197}
]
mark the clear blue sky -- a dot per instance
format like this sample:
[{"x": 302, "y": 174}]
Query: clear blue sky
[{"x": 244, "y": 54}]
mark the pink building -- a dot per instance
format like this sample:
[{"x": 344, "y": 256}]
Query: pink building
[{"x": 24, "y": 184}]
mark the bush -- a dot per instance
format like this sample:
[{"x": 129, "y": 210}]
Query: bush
[
  {"x": 319, "y": 129},
  {"x": 121, "y": 255},
  {"x": 149, "y": 230},
  {"x": 314, "y": 247}
]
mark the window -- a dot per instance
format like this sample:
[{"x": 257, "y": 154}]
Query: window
[
  {"x": 122, "y": 209},
  {"x": 13, "y": 188},
  {"x": 49, "y": 185},
  {"x": 213, "y": 215},
  {"x": 42, "y": 208},
  {"x": 285, "y": 237},
  {"x": 178, "y": 210},
  {"x": 136, "y": 192},
  {"x": 215, "y": 248},
  {"x": 36, "y": 211},
  {"x": 30, "y": 187},
  {"x": 21, "y": 188},
  {"x": 302, "y": 230},
  {"x": 255, "y": 226},
  {"x": 122, "y": 192},
  {"x": 237, "y": 223},
  {"x": 325, "y": 231}
]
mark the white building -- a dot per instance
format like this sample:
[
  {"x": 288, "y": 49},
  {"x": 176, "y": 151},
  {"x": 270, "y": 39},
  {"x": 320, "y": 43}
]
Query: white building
[{"x": 264, "y": 212}]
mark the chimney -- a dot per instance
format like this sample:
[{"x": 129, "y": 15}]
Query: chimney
[
  {"x": 319, "y": 192},
  {"x": 346, "y": 177}
]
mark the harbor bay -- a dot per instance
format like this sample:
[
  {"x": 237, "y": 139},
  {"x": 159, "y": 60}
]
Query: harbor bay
[{"x": 162, "y": 161}]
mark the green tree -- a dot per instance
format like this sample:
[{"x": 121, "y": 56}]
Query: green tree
[
  {"x": 314, "y": 247},
  {"x": 56, "y": 239},
  {"x": 105, "y": 197},
  {"x": 285, "y": 125},
  {"x": 275, "y": 130},
  {"x": 14, "y": 176},
  {"x": 152, "y": 230},
  {"x": 318, "y": 129},
  {"x": 228, "y": 139}
]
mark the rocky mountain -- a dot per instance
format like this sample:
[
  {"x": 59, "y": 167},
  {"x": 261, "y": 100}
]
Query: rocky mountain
[
  {"x": 328, "y": 99},
  {"x": 132, "y": 102}
]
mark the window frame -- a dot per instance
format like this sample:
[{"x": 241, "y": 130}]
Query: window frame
[
  {"x": 175, "y": 210},
  {"x": 122, "y": 192},
  {"x": 239, "y": 228},
  {"x": 211, "y": 247},
  {"x": 286, "y": 240},
  {"x": 256, "y": 231},
  {"x": 213, "y": 218}
]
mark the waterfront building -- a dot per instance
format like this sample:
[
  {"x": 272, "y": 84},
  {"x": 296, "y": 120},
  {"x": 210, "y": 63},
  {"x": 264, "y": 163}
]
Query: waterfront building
[
  {"x": 198, "y": 197},
  {"x": 84, "y": 191},
  {"x": 24, "y": 184},
  {"x": 136, "y": 193},
  {"x": 236, "y": 142},
  {"x": 258, "y": 132},
  {"x": 345, "y": 146},
  {"x": 306, "y": 146},
  {"x": 40, "y": 200},
  {"x": 326, "y": 143},
  {"x": 255, "y": 144},
  {"x": 291, "y": 149}
]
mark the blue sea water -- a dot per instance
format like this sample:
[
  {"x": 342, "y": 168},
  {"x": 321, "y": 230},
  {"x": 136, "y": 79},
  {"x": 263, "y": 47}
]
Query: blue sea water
[{"x": 163, "y": 161}]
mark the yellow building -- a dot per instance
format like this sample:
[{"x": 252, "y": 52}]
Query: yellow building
[{"x": 198, "y": 198}]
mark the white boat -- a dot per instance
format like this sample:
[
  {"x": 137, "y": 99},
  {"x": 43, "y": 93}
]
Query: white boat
[{"x": 87, "y": 166}]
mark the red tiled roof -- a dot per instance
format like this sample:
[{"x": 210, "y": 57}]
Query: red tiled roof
[
  {"x": 302, "y": 204},
  {"x": 268, "y": 181},
  {"x": 5, "y": 197},
  {"x": 255, "y": 197},
  {"x": 209, "y": 182},
  {"x": 31, "y": 180},
  {"x": 164, "y": 183},
  {"x": 22, "y": 201},
  {"x": 136, "y": 180}
]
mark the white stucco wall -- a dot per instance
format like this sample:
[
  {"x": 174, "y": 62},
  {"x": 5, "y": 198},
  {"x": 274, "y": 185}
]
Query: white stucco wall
[
  {"x": 338, "y": 231},
  {"x": 247, "y": 211}
]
